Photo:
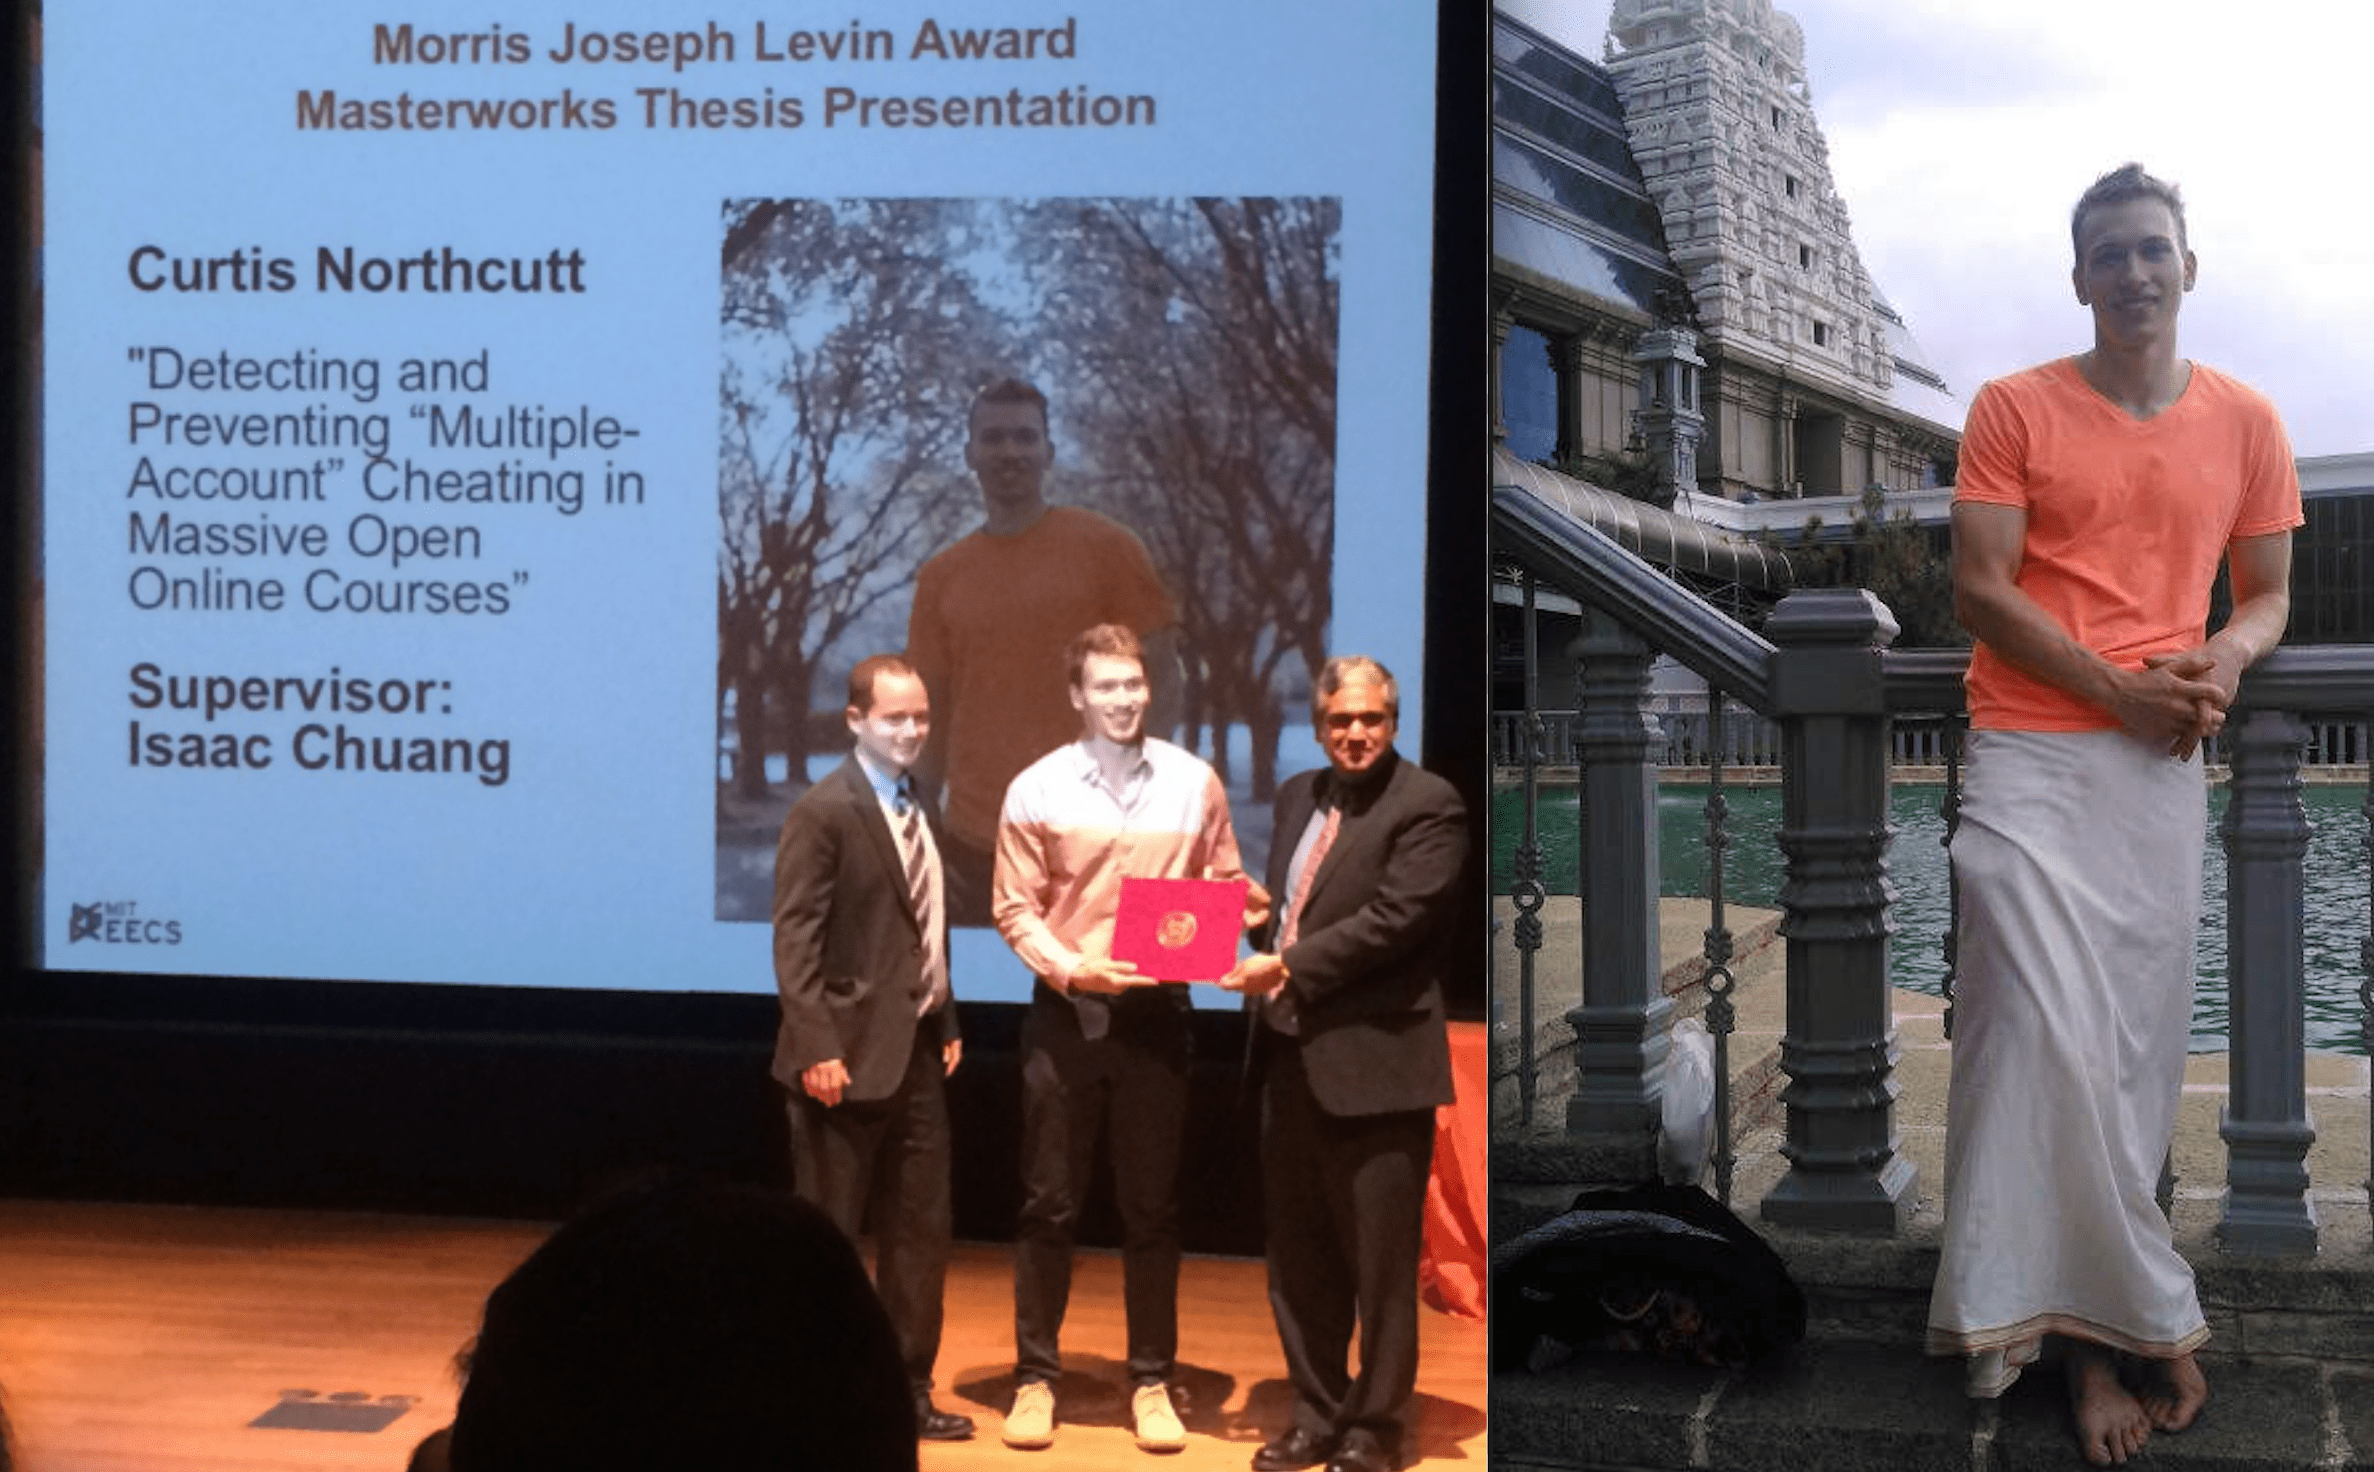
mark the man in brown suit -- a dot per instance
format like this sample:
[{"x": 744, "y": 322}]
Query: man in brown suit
[{"x": 869, "y": 1024}]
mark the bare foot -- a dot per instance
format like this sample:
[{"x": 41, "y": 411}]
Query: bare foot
[
  {"x": 2111, "y": 1425},
  {"x": 2173, "y": 1392}
]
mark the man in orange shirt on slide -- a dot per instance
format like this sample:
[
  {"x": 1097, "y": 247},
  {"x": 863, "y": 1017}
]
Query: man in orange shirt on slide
[
  {"x": 990, "y": 620},
  {"x": 2097, "y": 496}
]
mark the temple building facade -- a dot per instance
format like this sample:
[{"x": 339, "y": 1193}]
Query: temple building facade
[
  {"x": 1678, "y": 302},
  {"x": 1687, "y": 350}
]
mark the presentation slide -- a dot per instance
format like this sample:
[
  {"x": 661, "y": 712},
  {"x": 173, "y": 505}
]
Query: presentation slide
[{"x": 478, "y": 442}]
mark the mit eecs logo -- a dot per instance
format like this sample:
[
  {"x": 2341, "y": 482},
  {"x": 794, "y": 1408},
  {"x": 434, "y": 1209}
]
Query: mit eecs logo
[{"x": 119, "y": 922}]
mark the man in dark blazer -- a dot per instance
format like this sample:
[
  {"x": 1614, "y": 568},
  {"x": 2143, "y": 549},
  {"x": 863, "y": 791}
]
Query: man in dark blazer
[
  {"x": 1353, "y": 1057},
  {"x": 869, "y": 1024}
]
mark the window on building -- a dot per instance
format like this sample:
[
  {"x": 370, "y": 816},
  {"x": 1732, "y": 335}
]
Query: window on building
[
  {"x": 1804, "y": 257},
  {"x": 1821, "y": 334},
  {"x": 1529, "y": 395},
  {"x": 2332, "y": 597},
  {"x": 1776, "y": 119},
  {"x": 1789, "y": 182}
]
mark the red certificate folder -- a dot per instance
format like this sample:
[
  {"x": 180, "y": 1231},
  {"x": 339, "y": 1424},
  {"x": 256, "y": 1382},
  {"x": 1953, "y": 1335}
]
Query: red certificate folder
[{"x": 1179, "y": 929}]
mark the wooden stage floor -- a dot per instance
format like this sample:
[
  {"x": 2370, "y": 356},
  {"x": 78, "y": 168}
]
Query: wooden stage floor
[{"x": 146, "y": 1338}]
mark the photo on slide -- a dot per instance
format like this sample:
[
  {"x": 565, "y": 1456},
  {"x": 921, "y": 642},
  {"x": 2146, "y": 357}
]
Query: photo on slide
[{"x": 1186, "y": 352}]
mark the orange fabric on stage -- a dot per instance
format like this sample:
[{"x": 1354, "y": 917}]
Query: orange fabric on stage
[{"x": 1451, "y": 1266}]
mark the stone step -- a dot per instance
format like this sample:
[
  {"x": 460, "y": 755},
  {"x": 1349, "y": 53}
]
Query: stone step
[
  {"x": 1846, "y": 1407},
  {"x": 1876, "y": 1290}
]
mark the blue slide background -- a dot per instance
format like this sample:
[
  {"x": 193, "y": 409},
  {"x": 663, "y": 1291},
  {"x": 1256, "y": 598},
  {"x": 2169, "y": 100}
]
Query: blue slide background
[{"x": 175, "y": 125}]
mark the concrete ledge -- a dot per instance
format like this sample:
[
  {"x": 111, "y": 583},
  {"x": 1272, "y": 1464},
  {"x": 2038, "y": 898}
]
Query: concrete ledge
[
  {"x": 1842, "y": 1408},
  {"x": 1866, "y": 1408},
  {"x": 1551, "y": 1159},
  {"x": 1875, "y": 1290},
  {"x": 1756, "y": 969}
]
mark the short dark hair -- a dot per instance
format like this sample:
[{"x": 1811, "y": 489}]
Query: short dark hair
[
  {"x": 2124, "y": 183},
  {"x": 1353, "y": 669},
  {"x": 688, "y": 1325},
  {"x": 1114, "y": 641},
  {"x": 1009, "y": 391},
  {"x": 869, "y": 669}
]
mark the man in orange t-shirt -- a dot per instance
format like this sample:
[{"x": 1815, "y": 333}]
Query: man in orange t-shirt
[
  {"x": 992, "y": 615},
  {"x": 2097, "y": 496}
]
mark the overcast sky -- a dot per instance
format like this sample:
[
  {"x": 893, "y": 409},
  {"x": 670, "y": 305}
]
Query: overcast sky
[{"x": 1961, "y": 134}]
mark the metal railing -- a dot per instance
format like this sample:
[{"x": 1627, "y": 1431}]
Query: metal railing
[
  {"x": 1752, "y": 740},
  {"x": 1839, "y": 700}
]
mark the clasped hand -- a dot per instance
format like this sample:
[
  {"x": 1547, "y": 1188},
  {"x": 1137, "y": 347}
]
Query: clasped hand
[
  {"x": 825, "y": 1082},
  {"x": 2178, "y": 700}
]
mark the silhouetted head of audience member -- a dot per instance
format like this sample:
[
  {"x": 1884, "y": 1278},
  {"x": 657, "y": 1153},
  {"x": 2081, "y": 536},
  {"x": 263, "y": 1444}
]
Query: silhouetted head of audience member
[
  {"x": 690, "y": 1327},
  {"x": 432, "y": 1453}
]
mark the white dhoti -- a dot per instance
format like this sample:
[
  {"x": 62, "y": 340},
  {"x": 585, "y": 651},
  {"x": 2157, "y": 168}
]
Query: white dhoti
[{"x": 2078, "y": 857}]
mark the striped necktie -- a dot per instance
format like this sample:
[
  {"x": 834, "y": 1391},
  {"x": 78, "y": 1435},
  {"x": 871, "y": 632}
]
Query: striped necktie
[
  {"x": 1292, "y": 929},
  {"x": 1278, "y": 1008},
  {"x": 917, "y": 863}
]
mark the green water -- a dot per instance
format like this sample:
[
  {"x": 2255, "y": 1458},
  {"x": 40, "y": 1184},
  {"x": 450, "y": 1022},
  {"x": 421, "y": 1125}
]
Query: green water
[{"x": 2336, "y": 898}]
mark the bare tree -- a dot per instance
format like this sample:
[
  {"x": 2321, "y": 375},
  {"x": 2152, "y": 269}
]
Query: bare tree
[
  {"x": 1203, "y": 335},
  {"x": 852, "y": 335}
]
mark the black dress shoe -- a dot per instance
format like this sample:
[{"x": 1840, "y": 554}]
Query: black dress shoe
[
  {"x": 934, "y": 1424},
  {"x": 1297, "y": 1448},
  {"x": 1360, "y": 1453}
]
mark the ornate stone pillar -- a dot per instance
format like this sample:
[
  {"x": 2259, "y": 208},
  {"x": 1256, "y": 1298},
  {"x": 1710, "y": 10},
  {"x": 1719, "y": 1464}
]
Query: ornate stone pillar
[
  {"x": 1620, "y": 1028},
  {"x": 2265, "y": 1123},
  {"x": 1839, "y": 1049},
  {"x": 1669, "y": 418}
]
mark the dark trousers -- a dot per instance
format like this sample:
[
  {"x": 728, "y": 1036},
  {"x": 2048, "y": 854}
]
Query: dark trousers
[
  {"x": 1344, "y": 1199},
  {"x": 890, "y": 1154},
  {"x": 970, "y": 871},
  {"x": 1131, "y": 1086}
]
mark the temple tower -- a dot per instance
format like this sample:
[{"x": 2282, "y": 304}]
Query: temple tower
[{"x": 1722, "y": 124}]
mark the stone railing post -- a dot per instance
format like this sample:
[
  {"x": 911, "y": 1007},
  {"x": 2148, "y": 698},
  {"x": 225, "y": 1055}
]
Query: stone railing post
[
  {"x": 2265, "y": 1123},
  {"x": 1839, "y": 1050},
  {"x": 1620, "y": 1028}
]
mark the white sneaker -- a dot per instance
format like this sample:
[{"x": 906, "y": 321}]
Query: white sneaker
[
  {"x": 1158, "y": 1425},
  {"x": 1031, "y": 1424}
]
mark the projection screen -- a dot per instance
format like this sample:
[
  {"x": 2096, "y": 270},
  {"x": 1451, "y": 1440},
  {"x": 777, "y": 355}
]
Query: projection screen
[{"x": 477, "y": 441}]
